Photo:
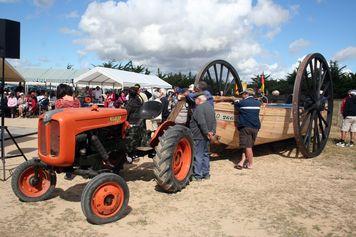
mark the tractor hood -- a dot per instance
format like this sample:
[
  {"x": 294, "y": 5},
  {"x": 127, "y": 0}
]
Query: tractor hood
[
  {"x": 83, "y": 119},
  {"x": 57, "y": 130}
]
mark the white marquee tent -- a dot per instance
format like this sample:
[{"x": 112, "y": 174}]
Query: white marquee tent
[
  {"x": 11, "y": 74},
  {"x": 106, "y": 77},
  {"x": 36, "y": 76}
]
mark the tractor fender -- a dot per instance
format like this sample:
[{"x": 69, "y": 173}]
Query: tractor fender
[{"x": 159, "y": 132}]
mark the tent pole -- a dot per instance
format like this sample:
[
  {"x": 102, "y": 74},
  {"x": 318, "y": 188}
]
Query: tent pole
[
  {"x": 3, "y": 117},
  {"x": 3, "y": 127}
]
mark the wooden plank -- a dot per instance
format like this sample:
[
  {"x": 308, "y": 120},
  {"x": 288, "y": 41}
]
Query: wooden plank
[{"x": 276, "y": 124}]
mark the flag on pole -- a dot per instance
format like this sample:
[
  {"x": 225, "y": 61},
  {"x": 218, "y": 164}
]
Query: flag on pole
[
  {"x": 263, "y": 83},
  {"x": 236, "y": 89}
]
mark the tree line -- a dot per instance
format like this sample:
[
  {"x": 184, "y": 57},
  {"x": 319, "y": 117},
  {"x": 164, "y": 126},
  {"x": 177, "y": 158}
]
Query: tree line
[{"x": 342, "y": 81}]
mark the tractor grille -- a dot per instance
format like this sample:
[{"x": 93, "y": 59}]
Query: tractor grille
[
  {"x": 54, "y": 131},
  {"x": 51, "y": 129},
  {"x": 42, "y": 141}
]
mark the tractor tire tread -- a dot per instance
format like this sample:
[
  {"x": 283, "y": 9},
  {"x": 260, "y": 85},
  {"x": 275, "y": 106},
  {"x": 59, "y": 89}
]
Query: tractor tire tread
[
  {"x": 89, "y": 190},
  {"x": 163, "y": 160}
]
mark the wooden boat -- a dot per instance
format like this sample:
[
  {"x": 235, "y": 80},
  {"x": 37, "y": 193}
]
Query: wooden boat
[
  {"x": 276, "y": 124},
  {"x": 307, "y": 119}
]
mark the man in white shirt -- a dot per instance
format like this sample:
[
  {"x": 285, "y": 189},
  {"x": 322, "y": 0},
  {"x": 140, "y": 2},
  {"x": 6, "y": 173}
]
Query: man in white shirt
[{"x": 98, "y": 94}]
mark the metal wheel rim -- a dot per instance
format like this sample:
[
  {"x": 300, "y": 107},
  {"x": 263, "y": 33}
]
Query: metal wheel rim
[
  {"x": 33, "y": 191},
  {"x": 182, "y": 159},
  {"x": 99, "y": 202}
]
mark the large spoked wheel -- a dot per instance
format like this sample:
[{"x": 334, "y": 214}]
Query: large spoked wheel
[
  {"x": 221, "y": 77},
  {"x": 173, "y": 163},
  {"x": 312, "y": 105},
  {"x": 105, "y": 199},
  {"x": 32, "y": 181}
]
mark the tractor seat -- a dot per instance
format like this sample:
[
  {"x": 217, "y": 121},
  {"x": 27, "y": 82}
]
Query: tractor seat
[{"x": 150, "y": 110}]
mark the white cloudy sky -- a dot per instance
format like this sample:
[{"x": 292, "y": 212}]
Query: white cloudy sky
[{"x": 183, "y": 35}]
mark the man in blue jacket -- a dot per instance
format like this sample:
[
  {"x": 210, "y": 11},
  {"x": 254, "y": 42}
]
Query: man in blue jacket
[{"x": 248, "y": 126}]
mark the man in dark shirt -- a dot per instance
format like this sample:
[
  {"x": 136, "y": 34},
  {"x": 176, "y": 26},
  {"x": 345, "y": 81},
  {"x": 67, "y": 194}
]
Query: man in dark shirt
[
  {"x": 203, "y": 127},
  {"x": 133, "y": 106},
  {"x": 349, "y": 114},
  {"x": 165, "y": 103},
  {"x": 248, "y": 126}
]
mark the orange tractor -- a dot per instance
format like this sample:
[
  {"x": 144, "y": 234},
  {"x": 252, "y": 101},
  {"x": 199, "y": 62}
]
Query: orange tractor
[{"x": 95, "y": 143}]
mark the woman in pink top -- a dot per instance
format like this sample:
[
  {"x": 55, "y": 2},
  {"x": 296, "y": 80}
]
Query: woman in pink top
[
  {"x": 12, "y": 104},
  {"x": 65, "y": 98}
]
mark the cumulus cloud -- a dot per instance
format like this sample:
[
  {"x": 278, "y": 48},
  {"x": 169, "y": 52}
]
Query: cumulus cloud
[
  {"x": 43, "y": 3},
  {"x": 251, "y": 67},
  {"x": 348, "y": 53},
  {"x": 268, "y": 13},
  {"x": 298, "y": 45},
  {"x": 180, "y": 34}
]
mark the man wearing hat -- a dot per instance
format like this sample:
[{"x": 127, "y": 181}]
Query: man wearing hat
[
  {"x": 248, "y": 126},
  {"x": 203, "y": 127}
]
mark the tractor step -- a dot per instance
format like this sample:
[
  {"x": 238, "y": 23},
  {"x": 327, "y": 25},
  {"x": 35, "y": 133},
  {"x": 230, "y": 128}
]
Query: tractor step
[{"x": 144, "y": 148}]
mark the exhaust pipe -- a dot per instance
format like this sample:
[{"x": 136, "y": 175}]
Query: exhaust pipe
[{"x": 100, "y": 148}]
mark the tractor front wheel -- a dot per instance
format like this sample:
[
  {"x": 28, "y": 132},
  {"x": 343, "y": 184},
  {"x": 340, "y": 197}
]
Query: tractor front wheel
[
  {"x": 173, "y": 163},
  {"x": 105, "y": 199},
  {"x": 32, "y": 181}
]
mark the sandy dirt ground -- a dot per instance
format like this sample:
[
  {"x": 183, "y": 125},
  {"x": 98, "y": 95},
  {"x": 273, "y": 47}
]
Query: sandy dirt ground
[{"x": 281, "y": 196}]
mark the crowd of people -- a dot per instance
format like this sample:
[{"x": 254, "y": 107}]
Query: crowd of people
[{"x": 31, "y": 104}]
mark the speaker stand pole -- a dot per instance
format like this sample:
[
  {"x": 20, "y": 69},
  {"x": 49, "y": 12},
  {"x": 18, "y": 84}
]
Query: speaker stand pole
[{"x": 3, "y": 128}]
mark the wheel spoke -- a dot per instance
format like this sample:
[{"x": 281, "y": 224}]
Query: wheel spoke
[
  {"x": 311, "y": 69},
  {"x": 323, "y": 119},
  {"x": 216, "y": 77},
  {"x": 220, "y": 77},
  {"x": 305, "y": 119},
  {"x": 308, "y": 132},
  {"x": 226, "y": 81},
  {"x": 316, "y": 138},
  {"x": 327, "y": 85},
  {"x": 208, "y": 73},
  {"x": 314, "y": 79},
  {"x": 321, "y": 126},
  {"x": 322, "y": 77},
  {"x": 309, "y": 88},
  {"x": 307, "y": 110}
]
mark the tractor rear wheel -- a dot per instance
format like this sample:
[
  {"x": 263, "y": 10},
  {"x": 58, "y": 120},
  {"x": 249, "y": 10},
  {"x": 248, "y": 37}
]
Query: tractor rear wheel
[
  {"x": 173, "y": 163},
  {"x": 105, "y": 198},
  {"x": 29, "y": 188}
]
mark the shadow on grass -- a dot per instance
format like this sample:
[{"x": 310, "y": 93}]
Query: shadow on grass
[
  {"x": 74, "y": 193},
  {"x": 286, "y": 148},
  {"x": 143, "y": 172}
]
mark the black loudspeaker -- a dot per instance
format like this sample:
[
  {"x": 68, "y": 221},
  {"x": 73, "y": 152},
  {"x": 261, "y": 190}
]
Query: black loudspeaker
[{"x": 9, "y": 39}]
